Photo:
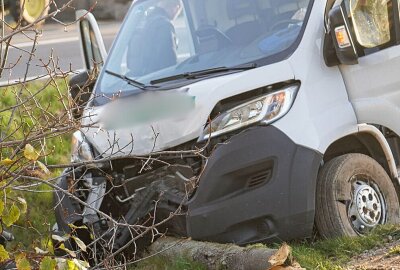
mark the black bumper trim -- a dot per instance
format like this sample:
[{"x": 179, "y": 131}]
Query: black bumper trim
[{"x": 225, "y": 209}]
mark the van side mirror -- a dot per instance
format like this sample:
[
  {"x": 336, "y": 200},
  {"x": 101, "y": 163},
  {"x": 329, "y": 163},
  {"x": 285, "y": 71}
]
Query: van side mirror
[
  {"x": 94, "y": 54},
  {"x": 339, "y": 38},
  {"x": 80, "y": 90},
  {"x": 92, "y": 44}
]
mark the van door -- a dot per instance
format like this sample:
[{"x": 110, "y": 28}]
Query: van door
[
  {"x": 93, "y": 50},
  {"x": 373, "y": 84}
]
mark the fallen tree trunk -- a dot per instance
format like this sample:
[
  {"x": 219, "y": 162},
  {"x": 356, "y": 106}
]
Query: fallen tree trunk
[{"x": 213, "y": 255}]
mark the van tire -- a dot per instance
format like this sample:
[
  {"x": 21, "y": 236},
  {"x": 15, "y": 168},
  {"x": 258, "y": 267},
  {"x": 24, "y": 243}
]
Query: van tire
[{"x": 347, "y": 184}]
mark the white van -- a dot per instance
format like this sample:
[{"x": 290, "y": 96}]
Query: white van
[{"x": 250, "y": 120}]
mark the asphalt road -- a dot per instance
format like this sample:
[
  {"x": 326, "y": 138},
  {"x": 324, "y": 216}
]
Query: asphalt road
[{"x": 57, "y": 45}]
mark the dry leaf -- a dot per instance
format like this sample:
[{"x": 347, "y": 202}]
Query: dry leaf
[
  {"x": 283, "y": 260},
  {"x": 41, "y": 251},
  {"x": 281, "y": 256},
  {"x": 23, "y": 204},
  {"x": 70, "y": 252},
  {"x": 43, "y": 167},
  {"x": 80, "y": 243},
  {"x": 60, "y": 238}
]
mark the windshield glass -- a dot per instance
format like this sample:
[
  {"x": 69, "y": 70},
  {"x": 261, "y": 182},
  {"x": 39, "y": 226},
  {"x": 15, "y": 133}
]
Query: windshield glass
[{"x": 165, "y": 38}]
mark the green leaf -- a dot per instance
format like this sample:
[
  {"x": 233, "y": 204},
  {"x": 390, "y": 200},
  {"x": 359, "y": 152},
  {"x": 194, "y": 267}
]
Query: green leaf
[
  {"x": 30, "y": 153},
  {"x": 72, "y": 226},
  {"x": 6, "y": 162},
  {"x": 1, "y": 207},
  {"x": 81, "y": 265},
  {"x": 80, "y": 243},
  {"x": 4, "y": 256},
  {"x": 70, "y": 252},
  {"x": 22, "y": 262},
  {"x": 23, "y": 204},
  {"x": 48, "y": 263},
  {"x": 73, "y": 264},
  {"x": 12, "y": 216}
]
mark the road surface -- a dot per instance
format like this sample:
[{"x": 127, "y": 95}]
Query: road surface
[{"x": 56, "y": 40}]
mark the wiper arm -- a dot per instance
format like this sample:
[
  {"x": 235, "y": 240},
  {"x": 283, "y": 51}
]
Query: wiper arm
[
  {"x": 205, "y": 72},
  {"x": 130, "y": 81}
]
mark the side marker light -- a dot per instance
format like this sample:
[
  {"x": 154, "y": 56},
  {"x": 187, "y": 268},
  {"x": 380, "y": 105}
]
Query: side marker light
[{"x": 342, "y": 37}]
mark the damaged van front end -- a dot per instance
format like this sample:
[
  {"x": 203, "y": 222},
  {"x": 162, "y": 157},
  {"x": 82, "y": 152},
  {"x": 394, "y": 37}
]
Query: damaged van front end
[
  {"x": 216, "y": 168},
  {"x": 240, "y": 185}
]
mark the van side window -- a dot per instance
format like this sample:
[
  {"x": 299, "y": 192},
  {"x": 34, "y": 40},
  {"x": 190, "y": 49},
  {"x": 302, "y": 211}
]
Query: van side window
[{"x": 372, "y": 24}]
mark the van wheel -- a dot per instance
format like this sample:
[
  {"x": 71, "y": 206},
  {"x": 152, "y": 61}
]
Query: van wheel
[
  {"x": 30, "y": 10},
  {"x": 354, "y": 195}
]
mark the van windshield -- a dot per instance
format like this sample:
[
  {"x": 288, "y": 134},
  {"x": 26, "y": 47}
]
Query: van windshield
[{"x": 162, "y": 39}]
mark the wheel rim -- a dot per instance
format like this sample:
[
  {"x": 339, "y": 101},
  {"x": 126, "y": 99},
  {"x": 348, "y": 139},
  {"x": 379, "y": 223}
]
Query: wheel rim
[
  {"x": 367, "y": 208},
  {"x": 34, "y": 7}
]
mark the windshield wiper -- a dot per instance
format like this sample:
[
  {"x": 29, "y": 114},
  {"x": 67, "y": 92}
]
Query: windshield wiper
[
  {"x": 132, "y": 82},
  {"x": 202, "y": 73}
]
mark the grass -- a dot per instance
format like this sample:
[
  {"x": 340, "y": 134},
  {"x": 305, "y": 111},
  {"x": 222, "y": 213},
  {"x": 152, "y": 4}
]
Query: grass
[
  {"x": 333, "y": 254},
  {"x": 394, "y": 250},
  {"x": 33, "y": 228},
  {"x": 28, "y": 116},
  {"x": 162, "y": 263}
]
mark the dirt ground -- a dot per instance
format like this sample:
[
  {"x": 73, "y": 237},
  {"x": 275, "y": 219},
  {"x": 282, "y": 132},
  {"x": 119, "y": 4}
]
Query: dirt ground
[{"x": 386, "y": 257}]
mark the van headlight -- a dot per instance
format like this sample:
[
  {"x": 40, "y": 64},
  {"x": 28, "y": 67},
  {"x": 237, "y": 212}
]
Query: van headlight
[
  {"x": 264, "y": 110},
  {"x": 81, "y": 149}
]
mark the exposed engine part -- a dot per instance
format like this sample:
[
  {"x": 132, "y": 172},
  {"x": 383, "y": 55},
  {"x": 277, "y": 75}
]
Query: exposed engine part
[
  {"x": 131, "y": 196},
  {"x": 126, "y": 199},
  {"x": 97, "y": 190}
]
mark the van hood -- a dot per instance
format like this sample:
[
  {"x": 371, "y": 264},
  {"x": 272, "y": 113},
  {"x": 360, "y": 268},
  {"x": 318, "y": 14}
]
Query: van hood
[{"x": 149, "y": 137}]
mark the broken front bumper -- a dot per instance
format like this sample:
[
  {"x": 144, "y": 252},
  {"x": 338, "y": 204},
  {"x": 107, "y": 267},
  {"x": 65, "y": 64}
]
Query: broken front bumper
[
  {"x": 260, "y": 186},
  {"x": 256, "y": 186}
]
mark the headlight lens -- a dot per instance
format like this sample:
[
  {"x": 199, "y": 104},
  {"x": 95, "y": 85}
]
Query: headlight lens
[
  {"x": 265, "y": 109},
  {"x": 81, "y": 150}
]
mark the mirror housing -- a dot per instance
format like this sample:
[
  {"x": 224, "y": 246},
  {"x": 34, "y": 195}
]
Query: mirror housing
[
  {"x": 339, "y": 39},
  {"x": 92, "y": 44},
  {"x": 80, "y": 91},
  {"x": 94, "y": 54}
]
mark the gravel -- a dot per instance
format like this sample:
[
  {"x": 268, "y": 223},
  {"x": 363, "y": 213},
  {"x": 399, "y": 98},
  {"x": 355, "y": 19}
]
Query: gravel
[{"x": 386, "y": 257}]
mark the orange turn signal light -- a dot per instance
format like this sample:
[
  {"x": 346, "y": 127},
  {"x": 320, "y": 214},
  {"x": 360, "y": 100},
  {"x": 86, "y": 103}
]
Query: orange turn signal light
[{"x": 342, "y": 37}]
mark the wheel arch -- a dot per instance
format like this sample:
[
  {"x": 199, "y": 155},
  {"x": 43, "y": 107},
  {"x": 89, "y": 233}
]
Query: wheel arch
[{"x": 370, "y": 141}]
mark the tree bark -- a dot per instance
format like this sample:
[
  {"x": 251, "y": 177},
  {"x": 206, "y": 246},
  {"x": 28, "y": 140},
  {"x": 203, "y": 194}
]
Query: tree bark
[{"x": 213, "y": 255}]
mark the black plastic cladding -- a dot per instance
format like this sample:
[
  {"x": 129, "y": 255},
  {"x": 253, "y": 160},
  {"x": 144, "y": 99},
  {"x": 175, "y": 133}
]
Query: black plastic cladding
[{"x": 281, "y": 209}]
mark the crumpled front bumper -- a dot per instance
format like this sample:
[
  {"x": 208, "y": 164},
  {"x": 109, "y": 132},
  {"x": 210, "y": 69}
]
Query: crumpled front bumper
[{"x": 257, "y": 186}]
